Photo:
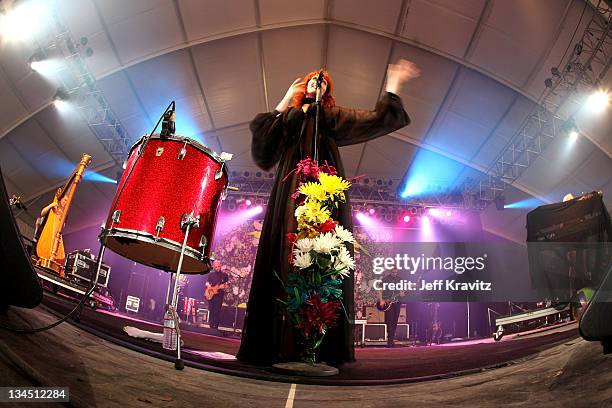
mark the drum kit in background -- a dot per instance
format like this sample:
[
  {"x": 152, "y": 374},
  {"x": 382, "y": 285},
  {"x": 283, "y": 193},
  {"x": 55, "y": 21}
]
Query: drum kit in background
[{"x": 165, "y": 210}]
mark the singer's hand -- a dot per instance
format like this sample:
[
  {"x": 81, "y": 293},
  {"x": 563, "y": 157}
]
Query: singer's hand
[
  {"x": 398, "y": 74},
  {"x": 296, "y": 87}
]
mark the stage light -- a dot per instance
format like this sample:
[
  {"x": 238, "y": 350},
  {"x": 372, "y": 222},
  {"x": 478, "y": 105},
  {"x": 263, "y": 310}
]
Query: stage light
[
  {"x": 425, "y": 220},
  {"x": 406, "y": 218},
  {"x": 60, "y": 98},
  {"x": 598, "y": 101},
  {"x": 573, "y": 135},
  {"x": 258, "y": 209},
  {"x": 372, "y": 211},
  {"x": 434, "y": 212},
  {"x": 248, "y": 203},
  {"x": 500, "y": 202},
  {"x": 527, "y": 203},
  {"x": 449, "y": 213},
  {"x": 23, "y": 20}
]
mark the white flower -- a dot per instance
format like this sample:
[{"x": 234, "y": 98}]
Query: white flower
[
  {"x": 325, "y": 243},
  {"x": 304, "y": 244},
  {"x": 344, "y": 234},
  {"x": 301, "y": 260},
  {"x": 299, "y": 211},
  {"x": 343, "y": 262}
]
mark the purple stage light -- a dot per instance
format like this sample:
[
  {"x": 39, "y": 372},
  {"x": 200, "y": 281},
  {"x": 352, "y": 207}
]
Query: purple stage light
[
  {"x": 248, "y": 203},
  {"x": 406, "y": 218},
  {"x": 372, "y": 211},
  {"x": 434, "y": 212},
  {"x": 449, "y": 213}
]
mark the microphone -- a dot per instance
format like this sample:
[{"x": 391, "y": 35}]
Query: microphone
[
  {"x": 168, "y": 125},
  {"x": 319, "y": 82}
]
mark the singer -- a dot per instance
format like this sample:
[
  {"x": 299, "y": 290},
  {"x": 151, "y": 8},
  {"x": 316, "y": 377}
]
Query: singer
[{"x": 284, "y": 137}]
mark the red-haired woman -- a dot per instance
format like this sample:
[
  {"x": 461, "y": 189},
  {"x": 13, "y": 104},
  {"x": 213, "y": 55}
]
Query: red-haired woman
[{"x": 284, "y": 137}]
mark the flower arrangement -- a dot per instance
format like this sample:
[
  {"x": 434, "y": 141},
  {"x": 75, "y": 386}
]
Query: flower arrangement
[{"x": 319, "y": 255}]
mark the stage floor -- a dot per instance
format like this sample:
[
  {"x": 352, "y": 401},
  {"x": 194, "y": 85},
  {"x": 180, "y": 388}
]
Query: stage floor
[
  {"x": 373, "y": 366},
  {"x": 101, "y": 373}
]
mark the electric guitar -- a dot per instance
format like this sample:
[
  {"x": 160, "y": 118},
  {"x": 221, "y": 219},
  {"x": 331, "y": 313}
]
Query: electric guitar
[{"x": 212, "y": 290}]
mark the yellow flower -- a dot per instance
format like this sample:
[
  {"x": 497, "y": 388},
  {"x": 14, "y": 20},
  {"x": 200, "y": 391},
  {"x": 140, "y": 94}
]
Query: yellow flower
[
  {"x": 333, "y": 185},
  {"x": 314, "y": 191},
  {"x": 312, "y": 212}
]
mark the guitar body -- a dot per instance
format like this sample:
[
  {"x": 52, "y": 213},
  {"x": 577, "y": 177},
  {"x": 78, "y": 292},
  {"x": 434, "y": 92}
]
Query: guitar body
[
  {"x": 384, "y": 305},
  {"x": 212, "y": 290}
]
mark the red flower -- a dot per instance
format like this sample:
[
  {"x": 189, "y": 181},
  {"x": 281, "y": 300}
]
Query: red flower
[
  {"x": 327, "y": 226},
  {"x": 291, "y": 237},
  {"x": 308, "y": 168},
  {"x": 317, "y": 316},
  {"x": 290, "y": 258},
  {"x": 326, "y": 168}
]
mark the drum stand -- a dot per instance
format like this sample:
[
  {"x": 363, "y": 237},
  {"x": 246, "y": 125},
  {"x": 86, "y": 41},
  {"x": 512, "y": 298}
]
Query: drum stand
[{"x": 187, "y": 222}]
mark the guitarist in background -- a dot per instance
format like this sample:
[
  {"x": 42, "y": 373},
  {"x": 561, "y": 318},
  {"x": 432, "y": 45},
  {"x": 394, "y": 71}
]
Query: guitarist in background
[
  {"x": 389, "y": 302},
  {"x": 214, "y": 293}
]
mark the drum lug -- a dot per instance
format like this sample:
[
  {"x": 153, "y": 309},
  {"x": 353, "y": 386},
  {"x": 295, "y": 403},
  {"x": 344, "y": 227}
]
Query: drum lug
[
  {"x": 159, "y": 151},
  {"x": 116, "y": 216},
  {"x": 219, "y": 172},
  {"x": 182, "y": 153},
  {"x": 159, "y": 227},
  {"x": 189, "y": 219}
]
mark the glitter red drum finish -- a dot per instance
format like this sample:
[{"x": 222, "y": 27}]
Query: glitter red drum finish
[{"x": 173, "y": 177}]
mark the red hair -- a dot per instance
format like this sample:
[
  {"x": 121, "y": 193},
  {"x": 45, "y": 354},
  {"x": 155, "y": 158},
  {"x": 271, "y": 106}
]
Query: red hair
[{"x": 328, "y": 100}]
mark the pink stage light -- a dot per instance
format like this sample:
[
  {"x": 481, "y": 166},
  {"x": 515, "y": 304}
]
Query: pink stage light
[
  {"x": 425, "y": 220},
  {"x": 372, "y": 211},
  {"x": 406, "y": 218},
  {"x": 248, "y": 203},
  {"x": 258, "y": 209},
  {"x": 449, "y": 213},
  {"x": 434, "y": 212}
]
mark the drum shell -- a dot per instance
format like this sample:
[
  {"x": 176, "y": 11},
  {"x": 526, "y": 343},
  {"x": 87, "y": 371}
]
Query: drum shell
[{"x": 164, "y": 185}]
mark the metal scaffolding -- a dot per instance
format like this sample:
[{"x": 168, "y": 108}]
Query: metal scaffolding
[
  {"x": 565, "y": 93},
  {"x": 78, "y": 84}
]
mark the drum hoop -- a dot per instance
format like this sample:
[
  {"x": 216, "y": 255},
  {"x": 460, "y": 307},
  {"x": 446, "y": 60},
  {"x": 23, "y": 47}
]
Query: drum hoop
[
  {"x": 150, "y": 238},
  {"x": 194, "y": 143}
]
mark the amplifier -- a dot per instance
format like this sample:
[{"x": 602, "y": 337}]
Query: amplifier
[
  {"x": 375, "y": 333},
  {"x": 82, "y": 265},
  {"x": 373, "y": 315}
]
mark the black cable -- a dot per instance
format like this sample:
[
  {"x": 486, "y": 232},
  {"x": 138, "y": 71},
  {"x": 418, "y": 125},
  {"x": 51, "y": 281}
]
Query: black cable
[{"x": 95, "y": 282}]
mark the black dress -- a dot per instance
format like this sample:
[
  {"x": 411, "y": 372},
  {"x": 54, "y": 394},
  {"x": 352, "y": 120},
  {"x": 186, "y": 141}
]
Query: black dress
[{"x": 286, "y": 138}]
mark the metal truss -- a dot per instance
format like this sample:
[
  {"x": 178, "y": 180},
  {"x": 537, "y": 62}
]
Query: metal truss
[
  {"x": 565, "y": 94},
  {"x": 366, "y": 193},
  {"x": 79, "y": 85}
]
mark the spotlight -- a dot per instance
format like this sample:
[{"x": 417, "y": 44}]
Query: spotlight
[
  {"x": 372, "y": 211},
  {"x": 248, "y": 203},
  {"x": 449, "y": 213},
  {"x": 500, "y": 202},
  {"x": 406, "y": 218},
  {"x": 573, "y": 135},
  {"x": 434, "y": 211},
  {"x": 22, "y": 21},
  {"x": 35, "y": 61},
  {"x": 598, "y": 101},
  {"x": 60, "y": 96},
  {"x": 258, "y": 209}
]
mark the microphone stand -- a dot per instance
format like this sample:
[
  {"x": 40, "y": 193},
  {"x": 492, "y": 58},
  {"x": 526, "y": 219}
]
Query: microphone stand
[{"x": 318, "y": 109}]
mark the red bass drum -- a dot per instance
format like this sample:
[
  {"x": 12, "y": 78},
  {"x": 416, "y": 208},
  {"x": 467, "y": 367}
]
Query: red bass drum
[{"x": 173, "y": 177}]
